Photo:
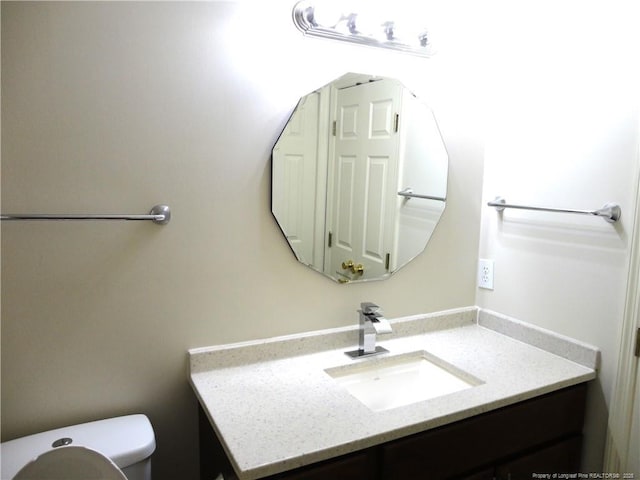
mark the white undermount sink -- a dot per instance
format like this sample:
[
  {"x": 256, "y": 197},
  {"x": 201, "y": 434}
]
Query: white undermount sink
[{"x": 382, "y": 383}]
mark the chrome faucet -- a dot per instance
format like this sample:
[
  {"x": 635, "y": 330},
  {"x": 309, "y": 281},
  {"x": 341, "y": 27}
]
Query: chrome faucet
[{"x": 371, "y": 323}]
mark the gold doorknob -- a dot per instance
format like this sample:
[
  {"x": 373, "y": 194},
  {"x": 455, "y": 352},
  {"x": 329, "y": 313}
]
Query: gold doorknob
[
  {"x": 355, "y": 269},
  {"x": 347, "y": 265}
]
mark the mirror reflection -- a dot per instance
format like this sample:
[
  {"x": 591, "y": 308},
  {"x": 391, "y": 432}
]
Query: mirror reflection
[{"x": 359, "y": 178}]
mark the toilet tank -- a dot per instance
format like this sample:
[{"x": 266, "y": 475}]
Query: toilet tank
[{"x": 128, "y": 441}]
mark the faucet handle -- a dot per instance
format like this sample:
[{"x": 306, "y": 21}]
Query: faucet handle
[
  {"x": 369, "y": 308},
  {"x": 381, "y": 325}
]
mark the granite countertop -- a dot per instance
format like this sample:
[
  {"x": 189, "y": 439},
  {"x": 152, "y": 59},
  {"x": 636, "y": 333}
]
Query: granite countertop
[{"x": 275, "y": 408}]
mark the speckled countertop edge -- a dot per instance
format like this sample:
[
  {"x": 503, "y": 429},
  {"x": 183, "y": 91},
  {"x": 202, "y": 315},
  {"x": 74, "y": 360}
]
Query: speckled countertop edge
[{"x": 233, "y": 381}]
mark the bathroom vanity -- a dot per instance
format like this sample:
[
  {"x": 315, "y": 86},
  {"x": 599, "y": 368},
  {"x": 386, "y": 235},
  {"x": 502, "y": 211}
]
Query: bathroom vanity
[{"x": 481, "y": 396}]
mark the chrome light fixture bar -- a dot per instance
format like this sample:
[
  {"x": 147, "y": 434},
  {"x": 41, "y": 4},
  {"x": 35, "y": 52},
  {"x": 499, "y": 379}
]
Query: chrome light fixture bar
[{"x": 349, "y": 26}]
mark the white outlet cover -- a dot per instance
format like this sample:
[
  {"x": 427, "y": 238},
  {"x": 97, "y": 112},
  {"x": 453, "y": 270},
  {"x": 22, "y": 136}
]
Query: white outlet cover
[{"x": 485, "y": 274}]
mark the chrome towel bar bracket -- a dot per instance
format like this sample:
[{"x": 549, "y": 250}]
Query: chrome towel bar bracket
[
  {"x": 611, "y": 212},
  {"x": 159, "y": 214}
]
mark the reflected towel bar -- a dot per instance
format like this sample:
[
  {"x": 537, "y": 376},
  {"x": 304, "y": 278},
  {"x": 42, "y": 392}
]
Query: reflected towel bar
[
  {"x": 408, "y": 193},
  {"x": 159, "y": 214},
  {"x": 610, "y": 212}
]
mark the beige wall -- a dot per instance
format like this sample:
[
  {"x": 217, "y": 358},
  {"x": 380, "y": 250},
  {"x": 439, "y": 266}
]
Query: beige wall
[
  {"x": 114, "y": 107},
  {"x": 563, "y": 131}
]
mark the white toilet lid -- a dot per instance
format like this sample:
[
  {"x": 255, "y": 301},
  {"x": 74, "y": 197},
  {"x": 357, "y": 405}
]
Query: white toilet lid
[{"x": 70, "y": 463}]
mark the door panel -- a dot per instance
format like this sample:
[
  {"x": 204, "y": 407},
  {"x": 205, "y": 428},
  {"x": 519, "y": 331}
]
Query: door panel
[
  {"x": 374, "y": 238},
  {"x": 382, "y": 116},
  {"x": 345, "y": 205},
  {"x": 295, "y": 174},
  {"x": 349, "y": 122}
]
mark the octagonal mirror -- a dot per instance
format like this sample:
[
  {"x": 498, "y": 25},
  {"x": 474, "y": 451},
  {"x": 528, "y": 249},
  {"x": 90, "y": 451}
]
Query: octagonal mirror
[{"x": 359, "y": 178}]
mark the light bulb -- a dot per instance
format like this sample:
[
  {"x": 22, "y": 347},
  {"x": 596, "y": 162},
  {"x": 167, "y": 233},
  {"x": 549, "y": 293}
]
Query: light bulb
[{"x": 330, "y": 14}]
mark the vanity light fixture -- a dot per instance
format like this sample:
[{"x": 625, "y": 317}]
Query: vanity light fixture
[{"x": 340, "y": 21}]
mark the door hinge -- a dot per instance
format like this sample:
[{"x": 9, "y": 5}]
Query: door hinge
[
  {"x": 387, "y": 261},
  {"x": 334, "y": 128},
  {"x": 637, "y": 351},
  {"x": 396, "y": 123},
  {"x": 330, "y": 239}
]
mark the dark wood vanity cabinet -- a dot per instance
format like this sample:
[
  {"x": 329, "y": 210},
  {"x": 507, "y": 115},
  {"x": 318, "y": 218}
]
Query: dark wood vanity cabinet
[
  {"x": 561, "y": 457},
  {"x": 541, "y": 435},
  {"x": 519, "y": 431}
]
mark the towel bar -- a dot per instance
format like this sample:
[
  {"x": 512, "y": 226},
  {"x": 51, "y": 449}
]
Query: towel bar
[
  {"x": 159, "y": 214},
  {"x": 408, "y": 193},
  {"x": 611, "y": 212}
]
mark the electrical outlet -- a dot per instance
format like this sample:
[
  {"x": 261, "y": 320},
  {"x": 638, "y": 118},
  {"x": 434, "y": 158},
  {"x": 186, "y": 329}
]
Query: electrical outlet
[{"x": 485, "y": 274}]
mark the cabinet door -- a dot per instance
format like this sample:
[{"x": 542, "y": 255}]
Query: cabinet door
[
  {"x": 360, "y": 466},
  {"x": 488, "y": 474},
  {"x": 561, "y": 457}
]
